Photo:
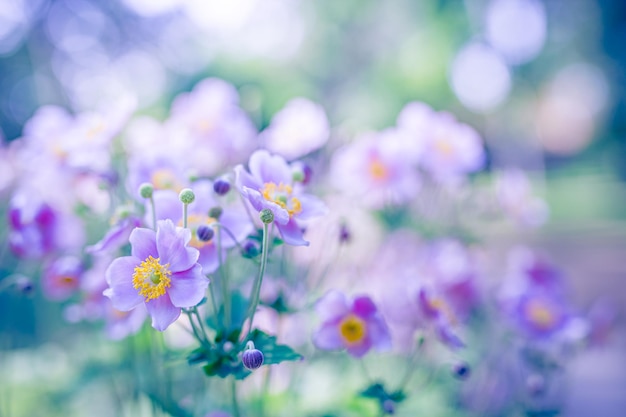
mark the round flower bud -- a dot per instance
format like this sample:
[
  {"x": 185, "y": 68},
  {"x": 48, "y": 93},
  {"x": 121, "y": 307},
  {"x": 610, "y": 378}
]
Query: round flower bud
[
  {"x": 146, "y": 189},
  {"x": 221, "y": 187},
  {"x": 205, "y": 233},
  {"x": 344, "y": 234},
  {"x": 252, "y": 358},
  {"x": 215, "y": 212},
  {"x": 24, "y": 285},
  {"x": 250, "y": 249},
  {"x": 267, "y": 216},
  {"x": 186, "y": 196},
  {"x": 389, "y": 406},
  {"x": 461, "y": 370}
]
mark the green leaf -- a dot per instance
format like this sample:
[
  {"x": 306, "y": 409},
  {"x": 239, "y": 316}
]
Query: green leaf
[{"x": 272, "y": 352}]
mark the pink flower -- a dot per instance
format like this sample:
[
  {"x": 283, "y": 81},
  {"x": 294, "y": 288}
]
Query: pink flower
[{"x": 355, "y": 325}]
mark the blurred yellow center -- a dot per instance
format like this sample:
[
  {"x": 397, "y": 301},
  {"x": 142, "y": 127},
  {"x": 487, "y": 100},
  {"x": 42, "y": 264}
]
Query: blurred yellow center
[
  {"x": 151, "y": 278},
  {"x": 442, "y": 306},
  {"x": 540, "y": 314},
  {"x": 378, "y": 170},
  {"x": 444, "y": 147},
  {"x": 164, "y": 179},
  {"x": 352, "y": 329},
  {"x": 281, "y": 195}
]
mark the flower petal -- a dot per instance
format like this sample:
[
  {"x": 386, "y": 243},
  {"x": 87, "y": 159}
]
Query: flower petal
[
  {"x": 143, "y": 242},
  {"x": 188, "y": 287},
  {"x": 119, "y": 276},
  {"x": 311, "y": 207},
  {"x": 171, "y": 244},
  {"x": 328, "y": 338},
  {"x": 364, "y": 307},
  {"x": 269, "y": 168},
  {"x": 244, "y": 179},
  {"x": 292, "y": 234},
  {"x": 360, "y": 349},
  {"x": 208, "y": 258},
  {"x": 332, "y": 306},
  {"x": 281, "y": 216},
  {"x": 163, "y": 312}
]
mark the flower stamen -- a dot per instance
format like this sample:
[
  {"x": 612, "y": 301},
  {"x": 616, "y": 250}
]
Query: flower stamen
[
  {"x": 151, "y": 278},
  {"x": 281, "y": 195}
]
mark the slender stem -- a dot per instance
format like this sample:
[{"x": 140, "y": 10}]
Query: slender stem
[
  {"x": 233, "y": 390},
  {"x": 411, "y": 366},
  {"x": 201, "y": 323},
  {"x": 224, "y": 276},
  {"x": 257, "y": 284},
  {"x": 232, "y": 236},
  {"x": 154, "y": 219},
  {"x": 184, "y": 215}
]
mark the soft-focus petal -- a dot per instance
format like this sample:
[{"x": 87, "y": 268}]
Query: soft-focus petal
[
  {"x": 171, "y": 244},
  {"x": 328, "y": 338},
  {"x": 332, "y": 306},
  {"x": 209, "y": 259},
  {"x": 163, "y": 312},
  {"x": 360, "y": 349},
  {"x": 188, "y": 287},
  {"x": 244, "y": 179},
  {"x": 292, "y": 234},
  {"x": 378, "y": 333},
  {"x": 143, "y": 243},
  {"x": 363, "y": 307},
  {"x": 311, "y": 207},
  {"x": 281, "y": 216},
  {"x": 269, "y": 168}
]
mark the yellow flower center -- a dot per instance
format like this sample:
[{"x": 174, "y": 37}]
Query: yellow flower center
[
  {"x": 151, "y": 278},
  {"x": 352, "y": 329},
  {"x": 164, "y": 179},
  {"x": 540, "y": 314},
  {"x": 67, "y": 281},
  {"x": 193, "y": 222},
  {"x": 281, "y": 195},
  {"x": 378, "y": 170},
  {"x": 442, "y": 306}
]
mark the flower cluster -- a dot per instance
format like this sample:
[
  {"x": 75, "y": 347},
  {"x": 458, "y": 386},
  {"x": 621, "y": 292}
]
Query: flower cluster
[{"x": 248, "y": 248}]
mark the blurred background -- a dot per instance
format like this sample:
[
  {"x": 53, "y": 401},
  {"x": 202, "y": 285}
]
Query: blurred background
[{"x": 543, "y": 81}]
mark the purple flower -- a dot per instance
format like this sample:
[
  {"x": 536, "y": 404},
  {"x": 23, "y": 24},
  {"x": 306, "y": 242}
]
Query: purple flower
[
  {"x": 269, "y": 185},
  {"x": 161, "y": 272},
  {"x": 356, "y": 326},
  {"x": 437, "y": 311},
  {"x": 61, "y": 278},
  {"x": 514, "y": 192},
  {"x": 540, "y": 314}
]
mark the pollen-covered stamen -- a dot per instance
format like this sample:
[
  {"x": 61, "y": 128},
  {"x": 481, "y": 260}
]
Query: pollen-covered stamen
[
  {"x": 151, "y": 278},
  {"x": 352, "y": 329},
  {"x": 281, "y": 194},
  {"x": 540, "y": 314},
  {"x": 378, "y": 171}
]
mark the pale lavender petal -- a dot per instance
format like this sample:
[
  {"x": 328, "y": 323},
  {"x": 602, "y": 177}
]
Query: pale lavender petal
[
  {"x": 167, "y": 205},
  {"x": 292, "y": 234},
  {"x": 328, "y": 338},
  {"x": 171, "y": 241},
  {"x": 378, "y": 333},
  {"x": 244, "y": 179},
  {"x": 238, "y": 224},
  {"x": 311, "y": 207},
  {"x": 363, "y": 307},
  {"x": 269, "y": 168},
  {"x": 447, "y": 336},
  {"x": 188, "y": 287},
  {"x": 119, "y": 276},
  {"x": 208, "y": 258},
  {"x": 163, "y": 312},
  {"x": 143, "y": 242},
  {"x": 360, "y": 349},
  {"x": 332, "y": 306}
]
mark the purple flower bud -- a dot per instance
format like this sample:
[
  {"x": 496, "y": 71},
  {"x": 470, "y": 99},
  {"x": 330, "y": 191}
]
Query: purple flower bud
[
  {"x": 344, "y": 234},
  {"x": 250, "y": 249},
  {"x": 24, "y": 285},
  {"x": 389, "y": 406},
  {"x": 252, "y": 358},
  {"x": 205, "y": 233},
  {"x": 461, "y": 370},
  {"x": 221, "y": 187}
]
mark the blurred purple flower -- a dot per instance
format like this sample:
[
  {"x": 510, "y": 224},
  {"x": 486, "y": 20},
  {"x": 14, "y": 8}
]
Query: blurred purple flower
[
  {"x": 162, "y": 272},
  {"x": 378, "y": 168},
  {"x": 450, "y": 150},
  {"x": 355, "y": 325},
  {"x": 299, "y": 128},
  {"x": 61, "y": 278},
  {"x": 515, "y": 196},
  {"x": 269, "y": 185}
]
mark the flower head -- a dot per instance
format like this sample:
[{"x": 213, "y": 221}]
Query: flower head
[
  {"x": 269, "y": 186},
  {"x": 356, "y": 326},
  {"x": 162, "y": 272}
]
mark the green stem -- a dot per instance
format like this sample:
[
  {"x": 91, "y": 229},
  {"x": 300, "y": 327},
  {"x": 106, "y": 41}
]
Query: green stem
[
  {"x": 257, "y": 284},
  {"x": 154, "y": 220},
  {"x": 184, "y": 215},
  {"x": 233, "y": 390},
  {"x": 224, "y": 278}
]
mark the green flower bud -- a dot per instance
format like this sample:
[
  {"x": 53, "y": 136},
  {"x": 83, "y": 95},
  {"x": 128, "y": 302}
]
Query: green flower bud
[
  {"x": 267, "y": 216},
  {"x": 146, "y": 189},
  {"x": 187, "y": 196}
]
